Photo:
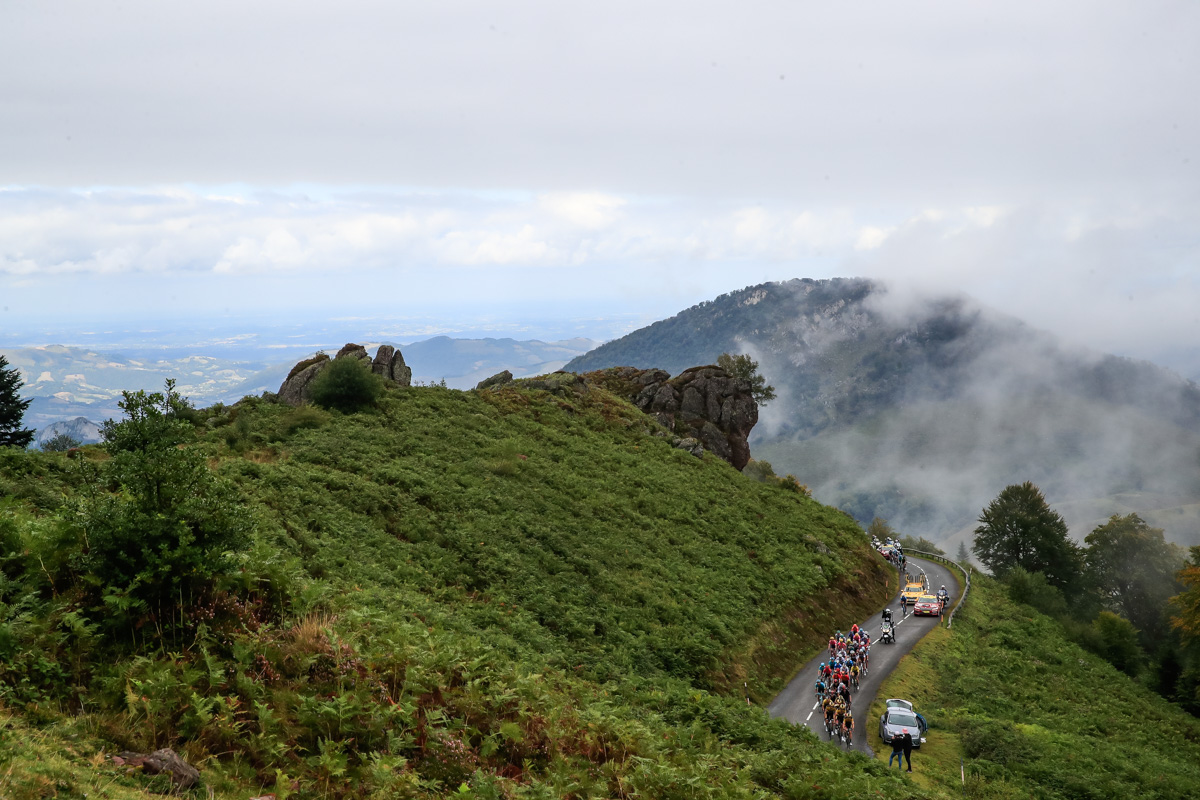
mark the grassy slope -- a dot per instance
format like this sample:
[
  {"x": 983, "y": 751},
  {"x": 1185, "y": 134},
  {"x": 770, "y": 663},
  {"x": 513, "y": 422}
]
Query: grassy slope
[
  {"x": 1033, "y": 715},
  {"x": 514, "y": 591}
]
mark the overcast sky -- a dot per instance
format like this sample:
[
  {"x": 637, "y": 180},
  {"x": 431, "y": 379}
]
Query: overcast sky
[{"x": 220, "y": 157}]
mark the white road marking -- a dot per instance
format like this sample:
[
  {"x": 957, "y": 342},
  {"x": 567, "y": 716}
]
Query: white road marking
[{"x": 806, "y": 719}]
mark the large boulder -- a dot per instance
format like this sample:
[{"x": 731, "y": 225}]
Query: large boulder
[
  {"x": 388, "y": 363},
  {"x": 706, "y": 404},
  {"x": 499, "y": 379},
  {"x": 295, "y": 387}
]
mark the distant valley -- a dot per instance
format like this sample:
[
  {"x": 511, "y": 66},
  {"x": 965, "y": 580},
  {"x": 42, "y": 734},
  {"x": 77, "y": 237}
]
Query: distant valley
[{"x": 69, "y": 382}]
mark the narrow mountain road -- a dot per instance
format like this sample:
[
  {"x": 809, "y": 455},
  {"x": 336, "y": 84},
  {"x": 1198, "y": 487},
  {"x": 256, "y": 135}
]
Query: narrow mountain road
[{"x": 797, "y": 703}]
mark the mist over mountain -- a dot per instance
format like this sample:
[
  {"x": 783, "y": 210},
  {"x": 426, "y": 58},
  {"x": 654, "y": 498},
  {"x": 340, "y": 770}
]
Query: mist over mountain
[{"x": 920, "y": 409}]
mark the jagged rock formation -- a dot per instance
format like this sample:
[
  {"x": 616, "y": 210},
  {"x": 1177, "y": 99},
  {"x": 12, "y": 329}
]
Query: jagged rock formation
[
  {"x": 705, "y": 404},
  {"x": 388, "y": 362}
]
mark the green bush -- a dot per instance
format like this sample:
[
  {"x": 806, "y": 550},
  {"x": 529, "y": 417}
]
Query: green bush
[
  {"x": 304, "y": 417},
  {"x": 1120, "y": 642},
  {"x": 347, "y": 385},
  {"x": 998, "y": 741},
  {"x": 1032, "y": 589},
  {"x": 761, "y": 471},
  {"x": 60, "y": 443},
  {"x": 166, "y": 534}
]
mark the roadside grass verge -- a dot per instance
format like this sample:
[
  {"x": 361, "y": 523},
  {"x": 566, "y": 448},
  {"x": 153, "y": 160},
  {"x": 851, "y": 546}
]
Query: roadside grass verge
[{"x": 1033, "y": 715}]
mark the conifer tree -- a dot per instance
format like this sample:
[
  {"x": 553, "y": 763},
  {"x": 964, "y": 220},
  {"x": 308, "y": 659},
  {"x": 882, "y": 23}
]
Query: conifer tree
[{"x": 12, "y": 408}]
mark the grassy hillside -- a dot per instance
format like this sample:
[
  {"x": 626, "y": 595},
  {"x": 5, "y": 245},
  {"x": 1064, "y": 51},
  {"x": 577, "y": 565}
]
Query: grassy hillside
[
  {"x": 503, "y": 594},
  {"x": 1033, "y": 715}
]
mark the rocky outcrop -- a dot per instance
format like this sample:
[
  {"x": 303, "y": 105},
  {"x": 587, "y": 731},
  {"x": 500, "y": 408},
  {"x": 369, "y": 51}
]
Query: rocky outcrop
[
  {"x": 706, "y": 404},
  {"x": 499, "y": 379},
  {"x": 388, "y": 363},
  {"x": 294, "y": 390}
]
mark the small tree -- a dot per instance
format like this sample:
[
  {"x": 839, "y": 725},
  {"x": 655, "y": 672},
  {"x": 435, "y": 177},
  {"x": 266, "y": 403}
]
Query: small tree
[
  {"x": 1187, "y": 603},
  {"x": 1019, "y": 529},
  {"x": 347, "y": 384},
  {"x": 880, "y": 529},
  {"x": 745, "y": 368},
  {"x": 60, "y": 443},
  {"x": 964, "y": 556},
  {"x": 12, "y": 408},
  {"x": 1133, "y": 568},
  {"x": 165, "y": 535},
  {"x": 1119, "y": 642}
]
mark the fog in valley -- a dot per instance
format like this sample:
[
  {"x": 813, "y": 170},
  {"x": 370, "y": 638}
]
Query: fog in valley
[{"x": 984, "y": 401}]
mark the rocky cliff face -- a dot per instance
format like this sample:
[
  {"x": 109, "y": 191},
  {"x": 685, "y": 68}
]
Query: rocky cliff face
[
  {"x": 705, "y": 404},
  {"x": 388, "y": 363}
]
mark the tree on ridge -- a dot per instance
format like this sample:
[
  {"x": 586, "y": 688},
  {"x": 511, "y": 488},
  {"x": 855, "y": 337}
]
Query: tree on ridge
[
  {"x": 12, "y": 408},
  {"x": 1019, "y": 529}
]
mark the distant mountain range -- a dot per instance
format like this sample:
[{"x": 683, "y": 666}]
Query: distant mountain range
[
  {"x": 69, "y": 382},
  {"x": 920, "y": 410},
  {"x": 80, "y": 429}
]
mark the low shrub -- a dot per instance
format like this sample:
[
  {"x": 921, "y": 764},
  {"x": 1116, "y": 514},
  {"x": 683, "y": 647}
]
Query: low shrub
[{"x": 347, "y": 385}]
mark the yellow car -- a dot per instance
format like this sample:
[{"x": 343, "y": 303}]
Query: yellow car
[{"x": 913, "y": 591}]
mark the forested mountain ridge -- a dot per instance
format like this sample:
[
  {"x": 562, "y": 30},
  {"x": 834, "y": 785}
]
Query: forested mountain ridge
[
  {"x": 918, "y": 409},
  {"x": 844, "y": 350}
]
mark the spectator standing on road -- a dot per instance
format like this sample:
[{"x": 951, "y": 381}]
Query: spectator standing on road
[
  {"x": 897, "y": 751},
  {"x": 908, "y": 745}
]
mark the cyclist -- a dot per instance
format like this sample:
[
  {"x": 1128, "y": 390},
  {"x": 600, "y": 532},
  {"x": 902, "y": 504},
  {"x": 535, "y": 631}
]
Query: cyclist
[
  {"x": 848, "y": 725},
  {"x": 854, "y": 674},
  {"x": 820, "y": 689}
]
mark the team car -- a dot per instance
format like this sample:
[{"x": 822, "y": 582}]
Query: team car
[
  {"x": 912, "y": 591},
  {"x": 928, "y": 604},
  {"x": 900, "y": 718}
]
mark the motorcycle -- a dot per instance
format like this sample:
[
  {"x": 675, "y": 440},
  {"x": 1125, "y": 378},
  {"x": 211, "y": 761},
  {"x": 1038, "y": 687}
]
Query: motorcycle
[{"x": 887, "y": 635}]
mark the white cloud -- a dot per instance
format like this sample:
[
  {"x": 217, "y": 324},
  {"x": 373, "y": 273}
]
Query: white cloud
[
  {"x": 871, "y": 237},
  {"x": 591, "y": 210}
]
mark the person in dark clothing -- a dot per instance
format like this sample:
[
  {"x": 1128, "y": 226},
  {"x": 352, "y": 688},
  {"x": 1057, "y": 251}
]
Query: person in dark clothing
[
  {"x": 897, "y": 751},
  {"x": 908, "y": 745}
]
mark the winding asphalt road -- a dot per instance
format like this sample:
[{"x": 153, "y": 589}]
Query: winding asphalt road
[{"x": 797, "y": 703}]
